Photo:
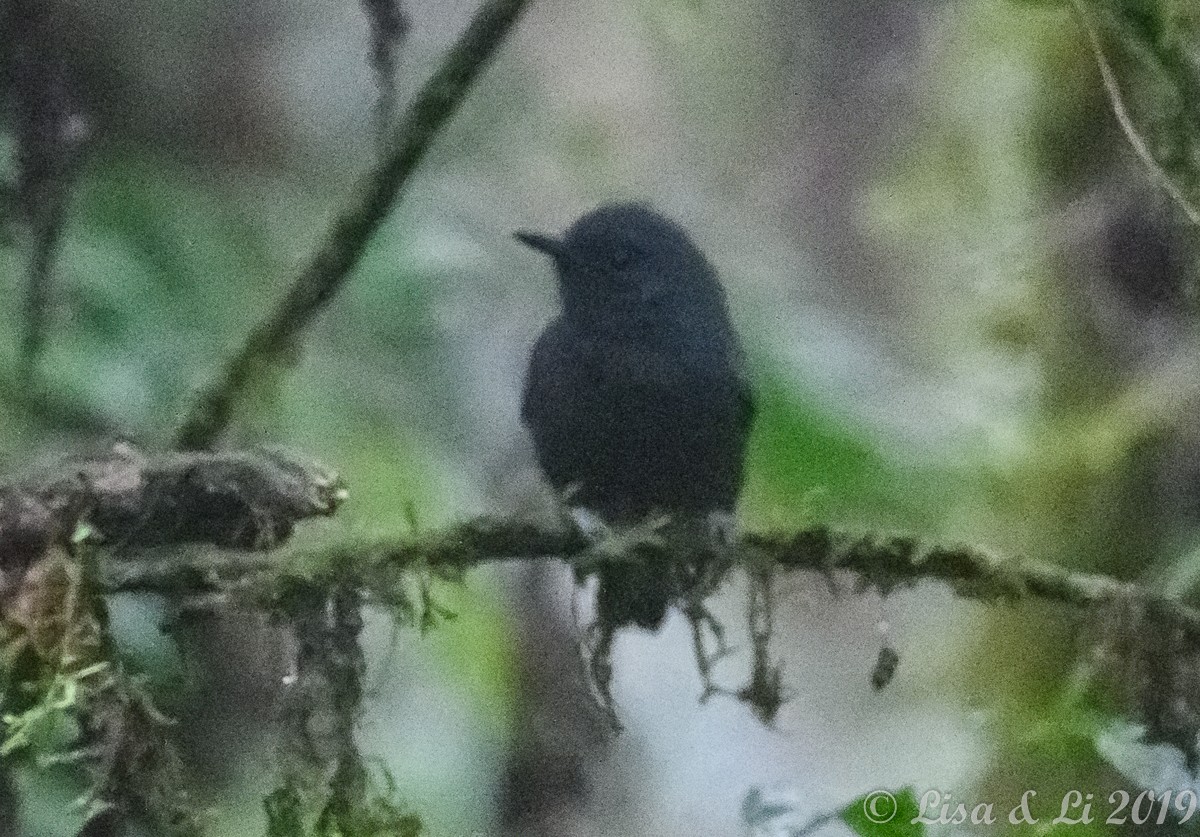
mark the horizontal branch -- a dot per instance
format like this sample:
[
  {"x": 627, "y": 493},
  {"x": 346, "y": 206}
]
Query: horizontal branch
[
  {"x": 884, "y": 564},
  {"x": 1129, "y": 623}
]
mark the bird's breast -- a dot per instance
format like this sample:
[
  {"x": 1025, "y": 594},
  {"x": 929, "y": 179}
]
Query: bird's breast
[{"x": 635, "y": 425}]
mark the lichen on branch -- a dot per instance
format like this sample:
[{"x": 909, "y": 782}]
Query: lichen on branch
[
  {"x": 59, "y": 668},
  {"x": 247, "y": 500}
]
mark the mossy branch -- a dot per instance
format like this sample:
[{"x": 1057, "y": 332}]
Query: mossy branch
[
  {"x": 61, "y": 668},
  {"x": 254, "y": 500},
  {"x": 368, "y": 205},
  {"x": 1126, "y": 618},
  {"x": 241, "y": 500},
  {"x": 881, "y": 563}
]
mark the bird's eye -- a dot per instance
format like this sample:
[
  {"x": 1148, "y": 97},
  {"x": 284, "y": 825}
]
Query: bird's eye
[{"x": 622, "y": 257}]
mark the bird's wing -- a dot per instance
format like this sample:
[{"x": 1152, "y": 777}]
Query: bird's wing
[{"x": 557, "y": 409}]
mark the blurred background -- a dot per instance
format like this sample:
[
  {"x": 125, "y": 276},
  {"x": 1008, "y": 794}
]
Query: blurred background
[{"x": 967, "y": 312}]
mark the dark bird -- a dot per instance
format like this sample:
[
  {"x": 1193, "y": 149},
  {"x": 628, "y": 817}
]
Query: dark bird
[{"x": 636, "y": 397}]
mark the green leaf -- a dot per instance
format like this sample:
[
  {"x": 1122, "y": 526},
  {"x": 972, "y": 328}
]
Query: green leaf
[{"x": 885, "y": 814}]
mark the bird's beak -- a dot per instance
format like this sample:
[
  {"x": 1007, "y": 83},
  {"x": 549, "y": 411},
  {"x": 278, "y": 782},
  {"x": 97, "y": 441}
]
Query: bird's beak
[{"x": 552, "y": 247}]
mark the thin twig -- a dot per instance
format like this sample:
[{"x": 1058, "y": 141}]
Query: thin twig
[
  {"x": 389, "y": 25},
  {"x": 1113, "y": 89},
  {"x": 369, "y": 204},
  {"x": 39, "y": 288}
]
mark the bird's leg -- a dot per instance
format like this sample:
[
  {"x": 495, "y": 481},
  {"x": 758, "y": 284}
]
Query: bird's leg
[
  {"x": 595, "y": 531},
  {"x": 648, "y": 532}
]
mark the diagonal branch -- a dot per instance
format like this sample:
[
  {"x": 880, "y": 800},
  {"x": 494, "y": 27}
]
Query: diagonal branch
[{"x": 369, "y": 204}]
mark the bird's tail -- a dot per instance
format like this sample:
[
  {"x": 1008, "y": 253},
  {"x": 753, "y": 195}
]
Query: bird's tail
[
  {"x": 634, "y": 594},
  {"x": 679, "y": 566}
]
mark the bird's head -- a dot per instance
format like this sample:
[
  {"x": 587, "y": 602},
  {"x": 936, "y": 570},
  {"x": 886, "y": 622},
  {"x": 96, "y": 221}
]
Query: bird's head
[{"x": 624, "y": 256}]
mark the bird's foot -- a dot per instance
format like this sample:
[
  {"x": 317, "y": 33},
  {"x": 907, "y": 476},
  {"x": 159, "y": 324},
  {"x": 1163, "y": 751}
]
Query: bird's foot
[
  {"x": 611, "y": 542},
  {"x": 592, "y": 525}
]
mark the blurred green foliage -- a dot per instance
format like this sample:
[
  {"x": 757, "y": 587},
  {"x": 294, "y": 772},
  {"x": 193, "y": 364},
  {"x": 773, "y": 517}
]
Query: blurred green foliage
[
  {"x": 884, "y": 814},
  {"x": 806, "y": 462},
  {"x": 166, "y": 264}
]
